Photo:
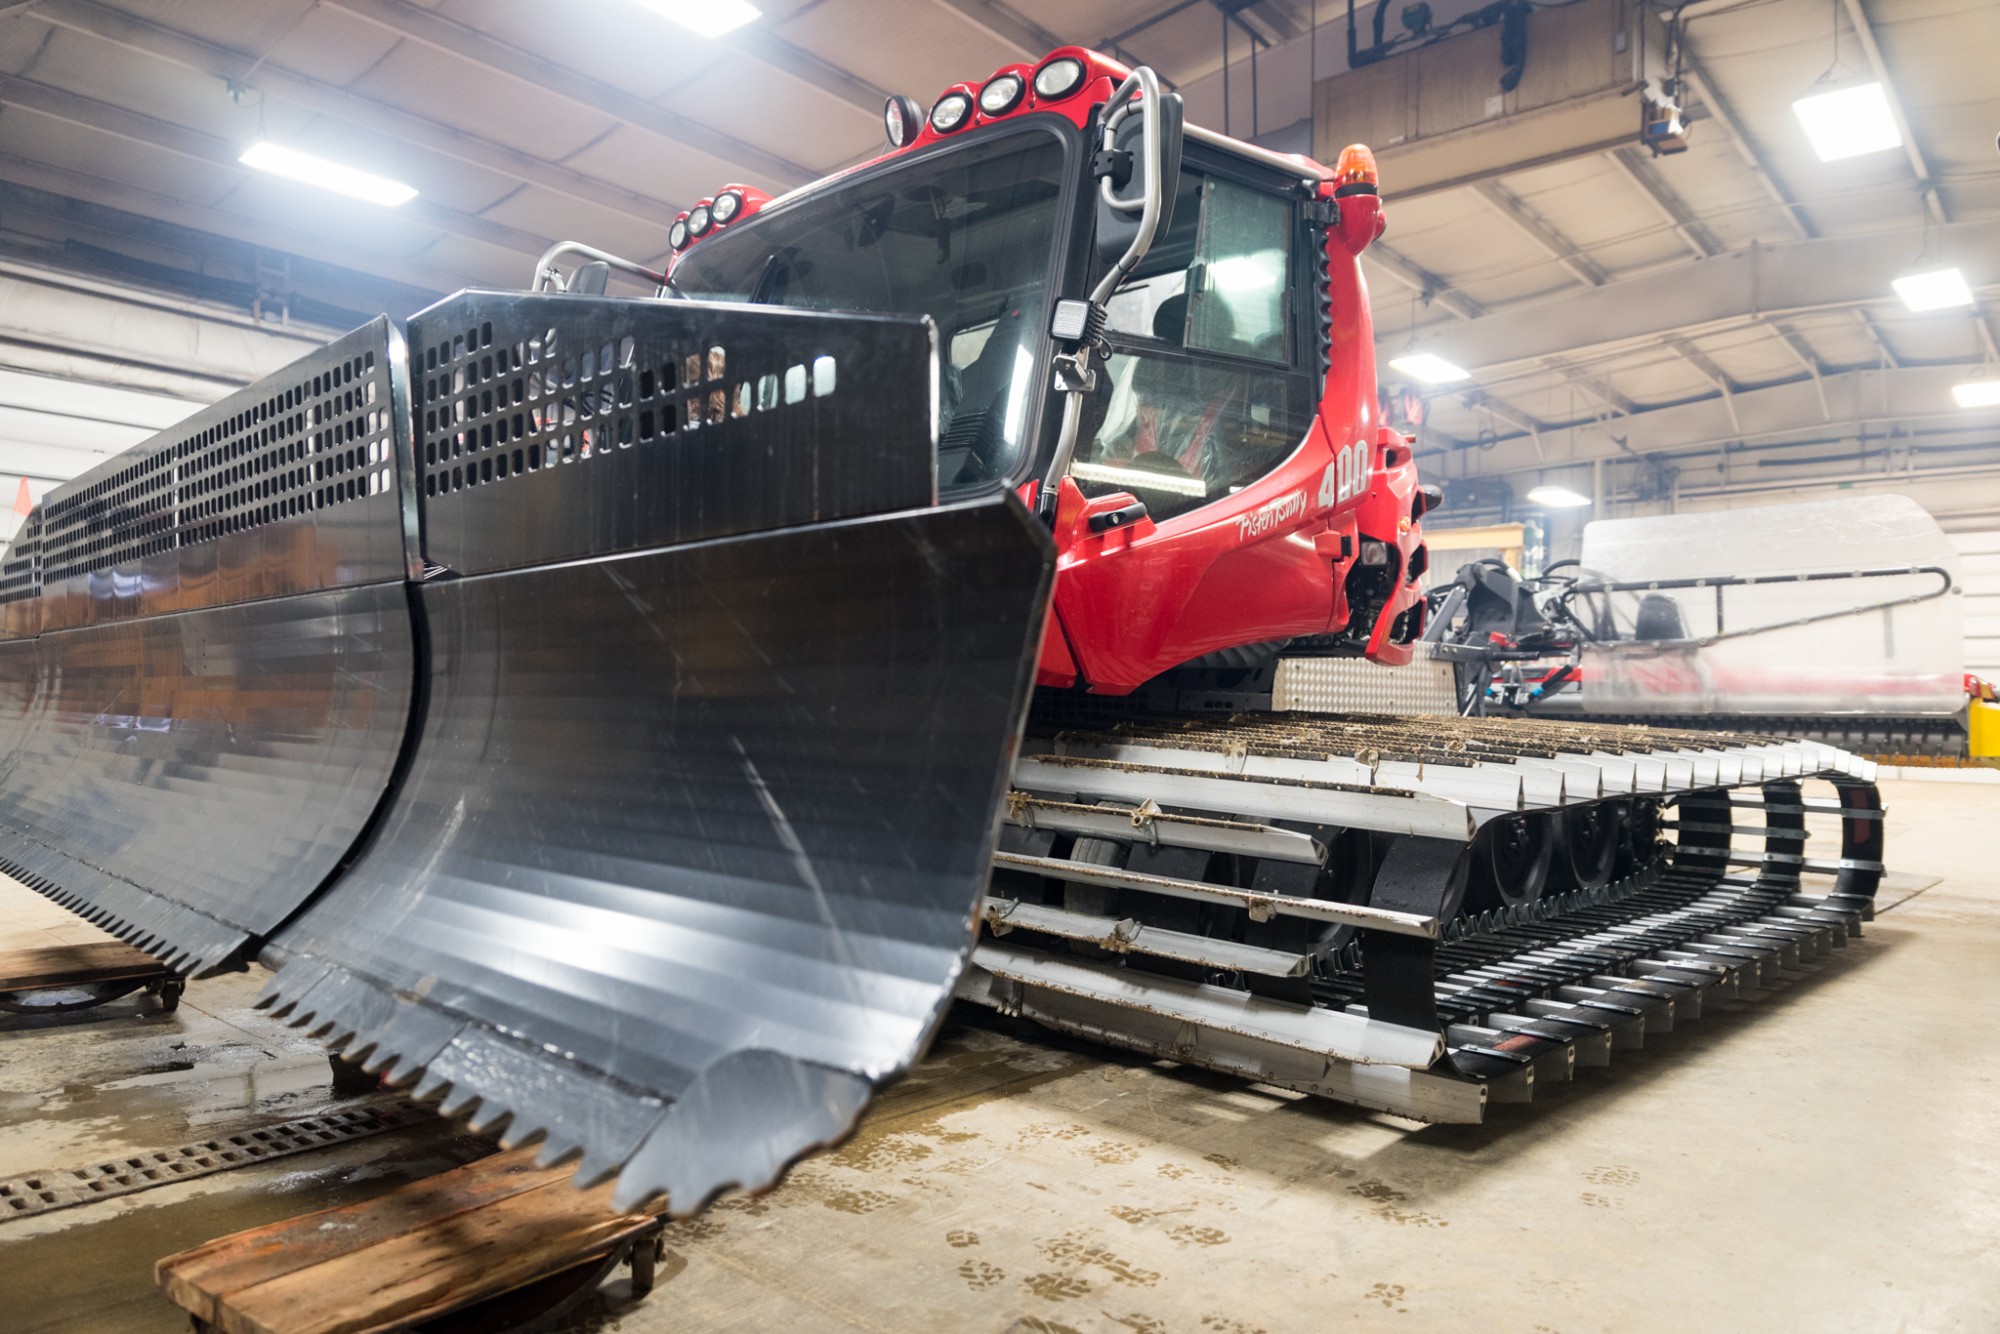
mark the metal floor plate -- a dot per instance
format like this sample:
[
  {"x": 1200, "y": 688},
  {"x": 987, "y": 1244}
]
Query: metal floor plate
[{"x": 35, "y": 1193}]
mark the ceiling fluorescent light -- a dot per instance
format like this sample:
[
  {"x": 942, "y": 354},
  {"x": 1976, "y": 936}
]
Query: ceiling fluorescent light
[
  {"x": 1430, "y": 368},
  {"x": 1978, "y": 394},
  {"x": 710, "y": 18},
  {"x": 1556, "y": 497},
  {"x": 1939, "y": 289},
  {"x": 1848, "y": 122},
  {"x": 296, "y": 166}
]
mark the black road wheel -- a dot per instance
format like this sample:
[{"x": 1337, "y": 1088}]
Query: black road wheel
[
  {"x": 1510, "y": 862},
  {"x": 1586, "y": 846}
]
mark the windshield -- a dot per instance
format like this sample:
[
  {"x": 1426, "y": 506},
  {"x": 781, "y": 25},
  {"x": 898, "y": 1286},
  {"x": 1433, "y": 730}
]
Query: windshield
[{"x": 966, "y": 238}]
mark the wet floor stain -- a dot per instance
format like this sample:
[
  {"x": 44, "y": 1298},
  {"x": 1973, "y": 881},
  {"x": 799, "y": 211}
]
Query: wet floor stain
[
  {"x": 1057, "y": 1287},
  {"x": 1389, "y": 1294},
  {"x": 1074, "y": 1248},
  {"x": 1388, "y": 1201},
  {"x": 1190, "y": 1235},
  {"x": 1593, "y": 1200},
  {"x": 858, "y": 1201},
  {"x": 979, "y": 1275},
  {"x": 1612, "y": 1176}
]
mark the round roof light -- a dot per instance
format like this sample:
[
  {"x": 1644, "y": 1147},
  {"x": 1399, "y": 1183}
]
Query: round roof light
[
  {"x": 726, "y": 206},
  {"x": 902, "y": 118},
  {"x": 1059, "y": 78},
  {"x": 951, "y": 112},
  {"x": 1001, "y": 94},
  {"x": 677, "y": 235},
  {"x": 700, "y": 220}
]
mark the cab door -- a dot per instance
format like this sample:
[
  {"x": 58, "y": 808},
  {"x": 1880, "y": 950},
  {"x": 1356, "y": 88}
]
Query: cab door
[{"x": 1207, "y": 419}]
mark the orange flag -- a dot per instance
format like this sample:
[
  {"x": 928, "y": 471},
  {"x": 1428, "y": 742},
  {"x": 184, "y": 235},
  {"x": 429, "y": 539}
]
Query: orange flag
[{"x": 23, "y": 502}]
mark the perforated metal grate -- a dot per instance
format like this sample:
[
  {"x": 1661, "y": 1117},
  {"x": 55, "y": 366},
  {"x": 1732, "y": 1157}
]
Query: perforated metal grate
[
  {"x": 491, "y": 413},
  {"x": 311, "y": 445},
  {"x": 34, "y": 1193},
  {"x": 620, "y": 425}
]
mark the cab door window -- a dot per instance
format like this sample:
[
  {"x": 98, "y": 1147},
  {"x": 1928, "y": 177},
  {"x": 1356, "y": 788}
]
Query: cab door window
[{"x": 1204, "y": 397}]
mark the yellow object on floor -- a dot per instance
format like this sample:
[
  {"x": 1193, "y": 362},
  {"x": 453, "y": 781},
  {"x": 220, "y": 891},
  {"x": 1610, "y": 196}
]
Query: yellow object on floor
[{"x": 1983, "y": 724}]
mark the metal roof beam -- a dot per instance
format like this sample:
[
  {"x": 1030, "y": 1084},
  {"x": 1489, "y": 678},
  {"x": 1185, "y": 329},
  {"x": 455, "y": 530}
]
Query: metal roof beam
[
  {"x": 455, "y": 39},
  {"x": 178, "y": 48},
  {"x": 1690, "y": 229},
  {"x": 1537, "y": 229},
  {"x": 1427, "y": 285},
  {"x": 1858, "y": 15},
  {"x": 136, "y": 127},
  {"x": 1869, "y": 397},
  {"x": 1762, "y": 282},
  {"x": 234, "y": 226},
  {"x": 1005, "y": 25}
]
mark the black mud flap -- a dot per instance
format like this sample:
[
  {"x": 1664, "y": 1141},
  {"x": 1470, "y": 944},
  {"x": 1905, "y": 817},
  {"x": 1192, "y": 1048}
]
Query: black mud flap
[
  {"x": 719, "y": 713},
  {"x": 209, "y": 662},
  {"x": 688, "y": 857}
]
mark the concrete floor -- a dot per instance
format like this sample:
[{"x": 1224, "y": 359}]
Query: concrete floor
[{"x": 1823, "y": 1159}]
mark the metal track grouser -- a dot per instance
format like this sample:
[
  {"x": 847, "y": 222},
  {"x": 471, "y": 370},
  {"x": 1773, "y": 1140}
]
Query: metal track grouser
[
  {"x": 1417, "y": 915},
  {"x": 601, "y": 713}
]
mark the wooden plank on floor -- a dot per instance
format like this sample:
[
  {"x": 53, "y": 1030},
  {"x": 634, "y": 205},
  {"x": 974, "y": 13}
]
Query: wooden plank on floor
[
  {"x": 73, "y": 965},
  {"x": 430, "y": 1247}
]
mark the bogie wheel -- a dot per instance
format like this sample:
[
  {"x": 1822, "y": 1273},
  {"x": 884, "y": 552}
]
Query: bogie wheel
[
  {"x": 1094, "y": 900},
  {"x": 1510, "y": 862},
  {"x": 1639, "y": 842},
  {"x": 1348, "y": 876},
  {"x": 1586, "y": 846}
]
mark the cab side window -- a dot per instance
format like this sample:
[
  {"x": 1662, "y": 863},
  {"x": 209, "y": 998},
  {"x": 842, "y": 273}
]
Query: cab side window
[{"x": 1204, "y": 393}]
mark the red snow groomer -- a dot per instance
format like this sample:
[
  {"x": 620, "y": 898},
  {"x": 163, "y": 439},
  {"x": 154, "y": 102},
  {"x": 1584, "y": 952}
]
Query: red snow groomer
[{"x": 601, "y": 711}]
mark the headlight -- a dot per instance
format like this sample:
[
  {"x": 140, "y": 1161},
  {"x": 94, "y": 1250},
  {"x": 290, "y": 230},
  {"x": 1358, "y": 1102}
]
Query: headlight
[
  {"x": 1001, "y": 95},
  {"x": 901, "y": 119},
  {"x": 952, "y": 110},
  {"x": 699, "y": 220},
  {"x": 677, "y": 235},
  {"x": 726, "y": 206},
  {"x": 1059, "y": 78}
]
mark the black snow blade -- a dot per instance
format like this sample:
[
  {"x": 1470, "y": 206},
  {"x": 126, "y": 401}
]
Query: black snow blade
[
  {"x": 209, "y": 662},
  {"x": 718, "y": 716}
]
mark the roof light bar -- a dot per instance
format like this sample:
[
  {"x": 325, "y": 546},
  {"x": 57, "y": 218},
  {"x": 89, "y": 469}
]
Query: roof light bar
[
  {"x": 1002, "y": 93},
  {"x": 902, "y": 120},
  {"x": 709, "y": 18},
  {"x": 1059, "y": 78},
  {"x": 309, "y": 170},
  {"x": 951, "y": 112}
]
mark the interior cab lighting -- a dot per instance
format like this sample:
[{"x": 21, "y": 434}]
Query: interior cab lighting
[
  {"x": 1940, "y": 289},
  {"x": 1557, "y": 497},
  {"x": 1848, "y": 122},
  {"x": 307, "y": 169},
  {"x": 1430, "y": 368},
  {"x": 709, "y": 18}
]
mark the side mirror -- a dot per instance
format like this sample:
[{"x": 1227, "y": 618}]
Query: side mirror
[{"x": 1126, "y": 168}]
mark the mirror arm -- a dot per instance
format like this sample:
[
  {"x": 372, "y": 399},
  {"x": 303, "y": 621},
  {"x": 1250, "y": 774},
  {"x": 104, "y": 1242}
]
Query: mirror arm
[{"x": 1074, "y": 377}]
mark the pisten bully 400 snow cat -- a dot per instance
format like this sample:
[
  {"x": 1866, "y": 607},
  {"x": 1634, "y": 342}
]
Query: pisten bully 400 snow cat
[{"x": 602, "y": 711}]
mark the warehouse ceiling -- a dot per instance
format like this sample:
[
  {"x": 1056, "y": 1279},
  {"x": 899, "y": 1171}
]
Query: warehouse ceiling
[{"x": 1607, "y": 303}]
